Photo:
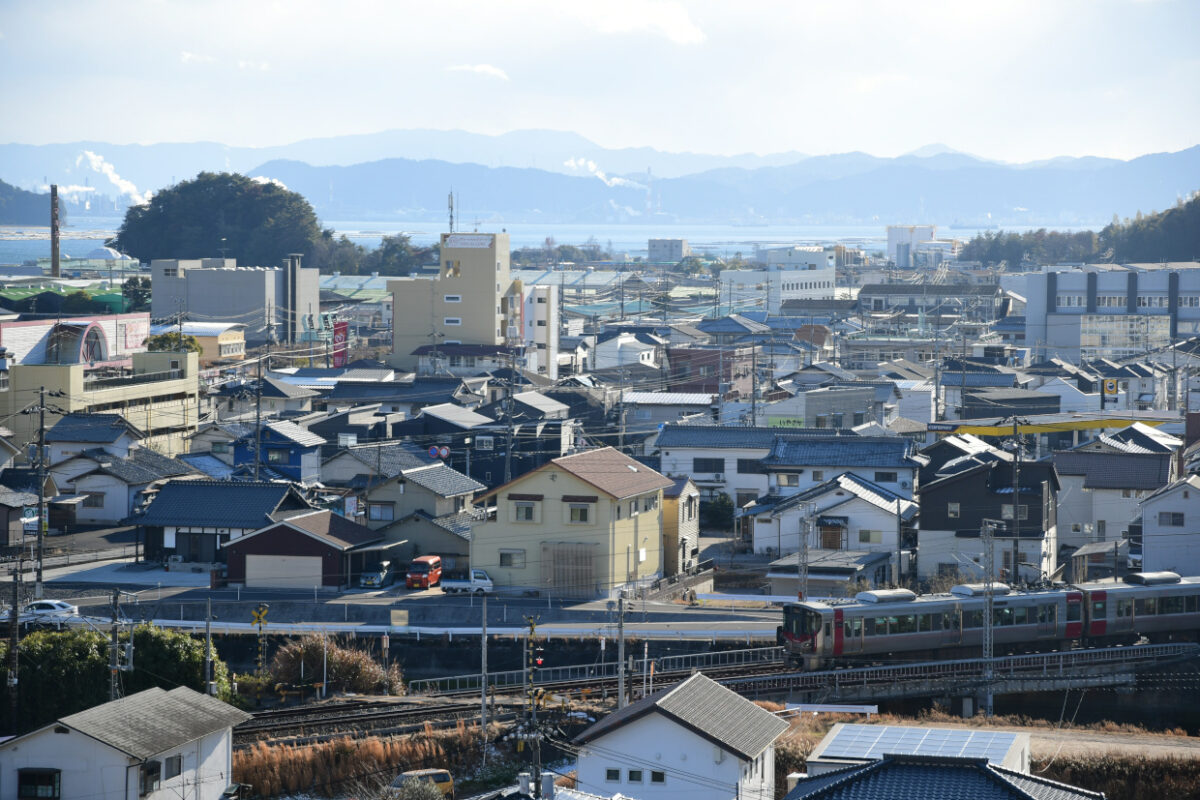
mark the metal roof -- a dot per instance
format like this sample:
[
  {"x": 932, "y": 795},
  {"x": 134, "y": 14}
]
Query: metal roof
[
  {"x": 668, "y": 398},
  {"x": 294, "y": 433},
  {"x": 456, "y": 415},
  {"x": 216, "y": 504},
  {"x": 1119, "y": 470},
  {"x": 851, "y": 451},
  {"x": 196, "y": 328},
  {"x": 547, "y": 405},
  {"x": 706, "y": 708},
  {"x": 747, "y": 438},
  {"x": 155, "y": 721}
]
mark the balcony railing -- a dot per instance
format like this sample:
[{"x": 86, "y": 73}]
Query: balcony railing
[{"x": 96, "y": 384}]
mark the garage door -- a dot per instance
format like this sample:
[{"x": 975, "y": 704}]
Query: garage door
[{"x": 283, "y": 572}]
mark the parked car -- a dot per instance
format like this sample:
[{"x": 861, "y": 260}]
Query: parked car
[
  {"x": 478, "y": 582},
  {"x": 379, "y": 577},
  {"x": 45, "y": 612},
  {"x": 440, "y": 778},
  {"x": 424, "y": 572}
]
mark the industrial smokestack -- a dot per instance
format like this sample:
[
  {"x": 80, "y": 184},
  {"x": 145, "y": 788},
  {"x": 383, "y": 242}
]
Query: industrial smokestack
[{"x": 54, "y": 270}]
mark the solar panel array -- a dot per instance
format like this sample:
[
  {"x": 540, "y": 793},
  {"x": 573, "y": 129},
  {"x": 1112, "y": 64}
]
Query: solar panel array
[{"x": 876, "y": 741}]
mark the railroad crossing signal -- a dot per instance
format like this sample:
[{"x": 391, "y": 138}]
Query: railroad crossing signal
[{"x": 259, "y": 615}]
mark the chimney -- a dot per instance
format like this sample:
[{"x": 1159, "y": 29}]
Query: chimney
[
  {"x": 548, "y": 785},
  {"x": 523, "y": 783},
  {"x": 54, "y": 269}
]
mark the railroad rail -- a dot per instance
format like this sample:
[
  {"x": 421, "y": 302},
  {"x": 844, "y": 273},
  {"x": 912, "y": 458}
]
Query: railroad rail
[{"x": 356, "y": 718}]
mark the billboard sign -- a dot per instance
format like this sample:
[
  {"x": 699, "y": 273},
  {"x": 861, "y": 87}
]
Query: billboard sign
[{"x": 340, "y": 332}]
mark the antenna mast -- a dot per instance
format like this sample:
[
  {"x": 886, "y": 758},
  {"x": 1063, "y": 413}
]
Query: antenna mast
[{"x": 450, "y": 201}]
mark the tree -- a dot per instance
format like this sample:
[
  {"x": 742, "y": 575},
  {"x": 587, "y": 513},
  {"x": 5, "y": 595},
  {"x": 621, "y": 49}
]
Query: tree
[
  {"x": 395, "y": 256},
  {"x": 305, "y": 660},
  {"x": 259, "y": 222},
  {"x": 169, "y": 343},
  {"x": 136, "y": 291},
  {"x": 78, "y": 303}
]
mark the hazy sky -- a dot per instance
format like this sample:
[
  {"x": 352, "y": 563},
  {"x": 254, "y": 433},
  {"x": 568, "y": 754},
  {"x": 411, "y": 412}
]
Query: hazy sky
[{"x": 1010, "y": 80}]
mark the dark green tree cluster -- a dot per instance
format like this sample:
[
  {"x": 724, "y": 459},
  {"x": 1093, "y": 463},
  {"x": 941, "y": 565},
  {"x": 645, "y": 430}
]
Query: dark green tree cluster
[
  {"x": 137, "y": 294},
  {"x": 1173, "y": 235},
  {"x": 62, "y": 672},
  {"x": 551, "y": 253},
  {"x": 19, "y": 207},
  {"x": 169, "y": 343}
]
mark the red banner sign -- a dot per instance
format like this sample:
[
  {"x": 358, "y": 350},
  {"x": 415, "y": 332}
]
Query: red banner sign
[{"x": 340, "y": 332}]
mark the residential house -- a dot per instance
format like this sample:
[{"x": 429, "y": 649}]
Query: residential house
[
  {"x": 190, "y": 519},
  {"x": 464, "y": 360},
  {"x": 1102, "y": 492},
  {"x": 961, "y": 375},
  {"x": 15, "y": 507},
  {"x": 218, "y": 439},
  {"x": 285, "y": 448},
  {"x": 726, "y": 370},
  {"x": 681, "y": 527},
  {"x": 360, "y": 466},
  {"x": 822, "y": 407},
  {"x": 616, "y": 349},
  {"x": 694, "y": 741},
  {"x": 956, "y": 452},
  {"x": 278, "y": 397},
  {"x": 851, "y": 745},
  {"x": 645, "y": 412},
  {"x": 114, "y": 487},
  {"x": 152, "y": 745},
  {"x": 831, "y": 573},
  {"x": 796, "y": 464},
  {"x": 1170, "y": 519},
  {"x": 526, "y": 406},
  {"x": 409, "y": 396},
  {"x": 1136, "y": 438},
  {"x": 356, "y": 424},
  {"x": 846, "y": 512},
  {"x": 954, "y": 508},
  {"x": 75, "y": 433},
  {"x": 579, "y": 526},
  {"x": 303, "y": 551},
  {"x": 992, "y": 402}
]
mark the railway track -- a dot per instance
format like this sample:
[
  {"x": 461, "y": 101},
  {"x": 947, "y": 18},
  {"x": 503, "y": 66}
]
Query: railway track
[{"x": 357, "y": 718}]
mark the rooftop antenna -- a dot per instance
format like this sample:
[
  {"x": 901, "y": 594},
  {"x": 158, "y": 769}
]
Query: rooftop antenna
[
  {"x": 54, "y": 233},
  {"x": 450, "y": 201}
]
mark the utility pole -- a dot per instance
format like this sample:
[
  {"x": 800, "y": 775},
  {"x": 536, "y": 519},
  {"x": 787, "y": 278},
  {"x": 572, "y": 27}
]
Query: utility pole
[
  {"x": 483, "y": 677},
  {"x": 41, "y": 524},
  {"x": 14, "y": 637},
  {"x": 1016, "y": 507},
  {"x": 986, "y": 531},
  {"x": 208, "y": 665},
  {"x": 114, "y": 654},
  {"x": 532, "y": 733},
  {"x": 621, "y": 651},
  {"x": 753, "y": 385},
  {"x": 258, "y": 390},
  {"x": 899, "y": 542},
  {"x": 508, "y": 416},
  {"x": 802, "y": 551}
]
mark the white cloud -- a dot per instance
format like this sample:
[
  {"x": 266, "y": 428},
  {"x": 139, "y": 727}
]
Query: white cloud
[
  {"x": 662, "y": 17},
  {"x": 480, "y": 69},
  {"x": 99, "y": 164},
  {"x": 263, "y": 179},
  {"x": 187, "y": 57},
  {"x": 258, "y": 66}
]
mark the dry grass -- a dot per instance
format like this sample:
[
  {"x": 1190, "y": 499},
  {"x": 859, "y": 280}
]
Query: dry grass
[{"x": 1127, "y": 776}]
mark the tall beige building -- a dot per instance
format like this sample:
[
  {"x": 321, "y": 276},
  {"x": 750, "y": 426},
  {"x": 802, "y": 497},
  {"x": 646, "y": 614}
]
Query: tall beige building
[{"x": 468, "y": 302}]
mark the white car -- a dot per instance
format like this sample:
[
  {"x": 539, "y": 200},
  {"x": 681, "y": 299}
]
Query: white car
[{"x": 49, "y": 611}]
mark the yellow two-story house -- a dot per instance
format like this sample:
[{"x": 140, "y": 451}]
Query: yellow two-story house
[{"x": 581, "y": 526}]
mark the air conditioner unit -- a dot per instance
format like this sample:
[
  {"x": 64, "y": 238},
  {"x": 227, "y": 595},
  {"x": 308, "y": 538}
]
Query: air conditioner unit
[
  {"x": 905, "y": 484},
  {"x": 717, "y": 476}
]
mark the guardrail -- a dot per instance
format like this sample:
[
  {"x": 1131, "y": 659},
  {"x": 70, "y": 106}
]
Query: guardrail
[{"x": 8, "y": 565}]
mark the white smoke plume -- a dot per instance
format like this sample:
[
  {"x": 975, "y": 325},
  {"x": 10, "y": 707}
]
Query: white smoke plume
[
  {"x": 99, "y": 164},
  {"x": 71, "y": 189},
  {"x": 591, "y": 167}
]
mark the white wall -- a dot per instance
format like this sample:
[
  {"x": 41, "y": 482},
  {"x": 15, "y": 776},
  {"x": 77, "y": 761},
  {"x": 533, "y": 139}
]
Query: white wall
[
  {"x": 693, "y": 771},
  {"x": 943, "y": 547},
  {"x": 677, "y": 462},
  {"x": 118, "y": 498},
  {"x": 784, "y": 531},
  {"x": 1172, "y": 547},
  {"x": 1084, "y": 507}
]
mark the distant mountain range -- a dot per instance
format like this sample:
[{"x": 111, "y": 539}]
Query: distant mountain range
[{"x": 528, "y": 176}]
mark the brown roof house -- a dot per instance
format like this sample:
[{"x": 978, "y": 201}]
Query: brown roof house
[
  {"x": 583, "y": 525},
  {"x": 304, "y": 551}
]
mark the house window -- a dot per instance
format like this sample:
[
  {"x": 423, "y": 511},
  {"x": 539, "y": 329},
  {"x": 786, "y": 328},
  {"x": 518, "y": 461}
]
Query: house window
[
  {"x": 612, "y": 775},
  {"x": 870, "y": 537},
  {"x": 149, "y": 777},
  {"x": 452, "y": 321},
  {"x": 749, "y": 466},
  {"x": 635, "y": 776},
  {"x": 513, "y": 559},
  {"x": 657, "y": 776},
  {"x": 172, "y": 767},
  {"x": 952, "y": 510},
  {"x": 580, "y": 513},
  {"x": 708, "y": 465},
  {"x": 789, "y": 479},
  {"x": 633, "y": 507},
  {"x": 39, "y": 783},
  {"x": 523, "y": 511},
  {"x": 452, "y": 298},
  {"x": 1006, "y": 511},
  {"x": 380, "y": 512},
  {"x": 93, "y": 500},
  {"x": 818, "y": 474},
  {"x": 220, "y": 448},
  {"x": 275, "y": 456},
  {"x": 1173, "y": 519},
  {"x": 885, "y": 477}
]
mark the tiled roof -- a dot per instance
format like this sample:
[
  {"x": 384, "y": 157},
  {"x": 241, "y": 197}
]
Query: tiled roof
[
  {"x": 706, "y": 708},
  {"x": 215, "y": 504},
  {"x": 677, "y": 487},
  {"x": 92, "y": 428},
  {"x": 209, "y": 464},
  {"x": 277, "y": 388},
  {"x": 728, "y": 436},
  {"x": 933, "y": 778},
  {"x": 848, "y": 483},
  {"x": 613, "y": 472},
  {"x": 154, "y": 721},
  {"x": 333, "y": 528},
  {"x": 16, "y": 499},
  {"x": 733, "y": 323},
  {"x": 388, "y": 459},
  {"x": 851, "y": 451},
  {"x": 1108, "y": 470},
  {"x": 143, "y": 466},
  {"x": 443, "y": 480},
  {"x": 1139, "y": 438},
  {"x": 459, "y": 524}
]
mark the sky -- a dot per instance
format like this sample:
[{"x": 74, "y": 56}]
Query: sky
[{"x": 1015, "y": 81}]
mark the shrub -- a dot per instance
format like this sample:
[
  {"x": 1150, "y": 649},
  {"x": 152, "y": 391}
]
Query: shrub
[{"x": 305, "y": 660}]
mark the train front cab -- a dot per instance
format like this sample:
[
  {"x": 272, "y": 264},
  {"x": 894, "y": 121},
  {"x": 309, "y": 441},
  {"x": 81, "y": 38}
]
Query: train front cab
[
  {"x": 807, "y": 634},
  {"x": 1162, "y": 607}
]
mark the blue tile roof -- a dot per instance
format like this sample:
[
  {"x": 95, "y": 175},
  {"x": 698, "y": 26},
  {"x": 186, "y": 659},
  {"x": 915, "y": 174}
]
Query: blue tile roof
[
  {"x": 717, "y": 436},
  {"x": 858, "y": 451}
]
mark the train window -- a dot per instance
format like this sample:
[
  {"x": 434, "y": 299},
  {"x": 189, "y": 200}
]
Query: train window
[
  {"x": 1171, "y": 605},
  {"x": 856, "y": 628},
  {"x": 869, "y": 627},
  {"x": 1045, "y": 614},
  {"x": 1002, "y": 616},
  {"x": 826, "y": 630},
  {"x": 1191, "y": 604},
  {"x": 948, "y": 620},
  {"x": 1073, "y": 612},
  {"x": 1020, "y": 616},
  {"x": 1125, "y": 607},
  {"x": 905, "y": 623},
  {"x": 973, "y": 619},
  {"x": 1147, "y": 606},
  {"x": 1098, "y": 609},
  {"x": 881, "y": 626}
]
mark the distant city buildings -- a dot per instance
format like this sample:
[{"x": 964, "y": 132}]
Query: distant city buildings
[
  {"x": 902, "y": 241},
  {"x": 667, "y": 251}
]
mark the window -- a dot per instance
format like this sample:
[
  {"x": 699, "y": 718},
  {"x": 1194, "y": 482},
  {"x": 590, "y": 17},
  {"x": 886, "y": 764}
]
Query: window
[
  {"x": 380, "y": 512},
  {"x": 657, "y": 776},
  {"x": 635, "y": 776},
  {"x": 749, "y": 466},
  {"x": 172, "y": 767},
  {"x": 789, "y": 479},
  {"x": 708, "y": 465},
  {"x": 514, "y": 559},
  {"x": 452, "y": 321},
  {"x": 1006, "y": 511},
  {"x": 870, "y": 537},
  {"x": 149, "y": 777},
  {"x": 541, "y": 323},
  {"x": 952, "y": 510},
  {"x": 1173, "y": 519},
  {"x": 93, "y": 500},
  {"x": 612, "y": 775},
  {"x": 277, "y": 456},
  {"x": 452, "y": 298},
  {"x": 523, "y": 511},
  {"x": 220, "y": 447},
  {"x": 633, "y": 507},
  {"x": 39, "y": 783},
  {"x": 818, "y": 474},
  {"x": 885, "y": 477},
  {"x": 580, "y": 513}
]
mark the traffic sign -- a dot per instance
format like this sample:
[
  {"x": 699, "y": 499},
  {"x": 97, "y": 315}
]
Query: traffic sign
[
  {"x": 259, "y": 615},
  {"x": 443, "y": 452},
  {"x": 1110, "y": 385},
  {"x": 433, "y": 451}
]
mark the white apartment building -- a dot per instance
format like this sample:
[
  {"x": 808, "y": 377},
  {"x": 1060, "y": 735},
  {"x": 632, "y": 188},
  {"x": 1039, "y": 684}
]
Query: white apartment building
[
  {"x": 902, "y": 241},
  {"x": 667, "y": 251},
  {"x": 769, "y": 288},
  {"x": 540, "y": 318}
]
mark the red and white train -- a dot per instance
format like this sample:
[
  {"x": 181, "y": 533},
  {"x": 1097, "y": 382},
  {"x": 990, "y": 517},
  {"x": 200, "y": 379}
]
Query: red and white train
[{"x": 896, "y": 624}]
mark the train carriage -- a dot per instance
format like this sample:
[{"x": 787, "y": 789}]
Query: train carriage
[{"x": 1160, "y": 606}]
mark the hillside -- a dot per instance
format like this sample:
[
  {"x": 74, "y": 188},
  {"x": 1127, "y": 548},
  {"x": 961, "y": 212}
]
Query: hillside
[{"x": 19, "y": 207}]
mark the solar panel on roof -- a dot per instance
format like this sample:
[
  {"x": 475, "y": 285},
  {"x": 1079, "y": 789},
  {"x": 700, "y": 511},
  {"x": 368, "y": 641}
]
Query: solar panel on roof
[{"x": 875, "y": 741}]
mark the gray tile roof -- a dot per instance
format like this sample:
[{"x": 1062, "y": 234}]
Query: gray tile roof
[
  {"x": 852, "y": 451},
  {"x": 143, "y": 466},
  {"x": 273, "y": 387},
  {"x": 215, "y": 504},
  {"x": 209, "y": 464},
  {"x": 1108, "y": 470},
  {"x": 459, "y": 524},
  {"x": 93, "y": 428},
  {"x": 16, "y": 499},
  {"x": 720, "y": 436},
  {"x": 848, "y": 483},
  {"x": 709, "y": 710},
  {"x": 389, "y": 459},
  {"x": 933, "y": 778},
  {"x": 443, "y": 480},
  {"x": 155, "y": 721}
]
